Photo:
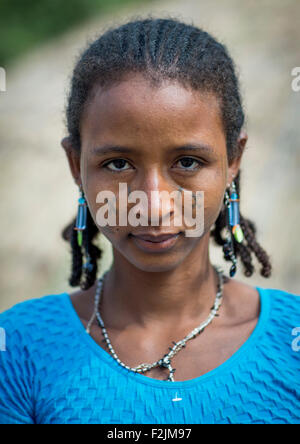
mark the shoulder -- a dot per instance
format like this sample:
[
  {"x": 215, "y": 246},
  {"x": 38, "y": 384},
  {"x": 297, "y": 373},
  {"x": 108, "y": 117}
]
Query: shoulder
[
  {"x": 281, "y": 323},
  {"x": 284, "y": 306},
  {"x": 271, "y": 303},
  {"x": 24, "y": 330},
  {"x": 275, "y": 312},
  {"x": 28, "y": 330},
  {"x": 34, "y": 306},
  {"x": 27, "y": 318}
]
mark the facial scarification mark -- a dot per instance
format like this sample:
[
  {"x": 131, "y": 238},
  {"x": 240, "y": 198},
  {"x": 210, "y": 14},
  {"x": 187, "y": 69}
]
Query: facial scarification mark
[
  {"x": 180, "y": 189},
  {"x": 194, "y": 200}
]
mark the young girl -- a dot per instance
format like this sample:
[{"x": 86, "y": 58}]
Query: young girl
[{"x": 163, "y": 336}]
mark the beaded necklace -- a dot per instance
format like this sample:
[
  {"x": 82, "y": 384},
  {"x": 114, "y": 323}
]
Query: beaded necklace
[{"x": 164, "y": 362}]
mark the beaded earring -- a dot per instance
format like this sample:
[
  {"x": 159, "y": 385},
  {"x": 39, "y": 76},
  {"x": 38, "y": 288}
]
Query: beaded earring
[
  {"x": 234, "y": 230},
  {"x": 80, "y": 224},
  {"x": 81, "y": 227}
]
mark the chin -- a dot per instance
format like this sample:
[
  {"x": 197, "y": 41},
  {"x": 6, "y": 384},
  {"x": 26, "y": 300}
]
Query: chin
[
  {"x": 154, "y": 267},
  {"x": 152, "y": 262}
]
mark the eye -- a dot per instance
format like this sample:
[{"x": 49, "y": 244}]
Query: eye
[
  {"x": 189, "y": 163},
  {"x": 117, "y": 165}
]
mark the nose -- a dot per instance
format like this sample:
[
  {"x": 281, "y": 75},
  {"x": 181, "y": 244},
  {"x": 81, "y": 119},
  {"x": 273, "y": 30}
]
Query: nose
[{"x": 157, "y": 189}]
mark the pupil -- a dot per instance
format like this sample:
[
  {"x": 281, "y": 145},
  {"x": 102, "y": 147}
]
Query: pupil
[
  {"x": 119, "y": 163},
  {"x": 187, "y": 162}
]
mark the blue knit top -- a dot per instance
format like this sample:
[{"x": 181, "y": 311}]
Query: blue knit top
[{"x": 53, "y": 372}]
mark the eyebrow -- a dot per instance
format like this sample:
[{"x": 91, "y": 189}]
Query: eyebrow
[
  {"x": 109, "y": 149},
  {"x": 197, "y": 147}
]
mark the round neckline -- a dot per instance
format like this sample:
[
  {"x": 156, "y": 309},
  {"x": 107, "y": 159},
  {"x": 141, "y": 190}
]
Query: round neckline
[{"x": 138, "y": 377}]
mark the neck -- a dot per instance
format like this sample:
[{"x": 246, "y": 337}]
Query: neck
[{"x": 179, "y": 297}]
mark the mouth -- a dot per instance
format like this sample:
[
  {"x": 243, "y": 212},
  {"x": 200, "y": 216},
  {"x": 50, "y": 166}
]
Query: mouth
[{"x": 151, "y": 242}]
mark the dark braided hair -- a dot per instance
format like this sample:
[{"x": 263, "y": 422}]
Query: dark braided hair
[
  {"x": 250, "y": 244},
  {"x": 160, "y": 49},
  {"x": 70, "y": 235}
]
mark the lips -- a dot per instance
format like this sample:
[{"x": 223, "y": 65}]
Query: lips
[
  {"x": 155, "y": 238},
  {"x": 154, "y": 243}
]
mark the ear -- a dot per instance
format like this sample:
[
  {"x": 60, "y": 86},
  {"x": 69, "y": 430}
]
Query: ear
[
  {"x": 73, "y": 157},
  {"x": 235, "y": 164}
]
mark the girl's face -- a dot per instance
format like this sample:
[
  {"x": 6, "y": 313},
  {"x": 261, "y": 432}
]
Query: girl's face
[{"x": 164, "y": 138}]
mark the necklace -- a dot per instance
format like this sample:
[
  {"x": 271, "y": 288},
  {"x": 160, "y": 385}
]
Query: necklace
[{"x": 164, "y": 362}]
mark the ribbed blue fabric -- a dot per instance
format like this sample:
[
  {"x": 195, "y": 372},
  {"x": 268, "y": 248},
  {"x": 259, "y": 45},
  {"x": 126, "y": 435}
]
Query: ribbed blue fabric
[{"x": 53, "y": 372}]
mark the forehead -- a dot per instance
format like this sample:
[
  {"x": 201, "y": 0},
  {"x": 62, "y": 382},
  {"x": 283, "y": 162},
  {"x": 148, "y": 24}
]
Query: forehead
[{"x": 136, "y": 108}]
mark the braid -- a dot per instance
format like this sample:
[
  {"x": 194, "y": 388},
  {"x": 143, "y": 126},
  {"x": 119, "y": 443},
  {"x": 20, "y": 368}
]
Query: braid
[
  {"x": 92, "y": 250},
  {"x": 70, "y": 235},
  {"x": 76, "y": 259},
  {"x": 161, "y": 49},
  {"x": 249, "y": 245}
]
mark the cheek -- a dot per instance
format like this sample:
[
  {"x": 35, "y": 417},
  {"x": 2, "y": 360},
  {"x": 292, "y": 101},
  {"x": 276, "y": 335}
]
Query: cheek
[
  {"x": 212, "y": 187},
  {"x": 111, "y": 233},
  {"x": 213, "y": 201},
  {"x": 94, "y": 186},
  {"x": 213, "y": 205}
]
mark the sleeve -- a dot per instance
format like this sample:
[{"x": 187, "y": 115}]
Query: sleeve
[{"x": 16, "y": 400}]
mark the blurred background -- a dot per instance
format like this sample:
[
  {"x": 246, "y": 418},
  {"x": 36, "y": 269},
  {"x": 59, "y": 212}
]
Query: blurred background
[{"x": 40, "y": 41}]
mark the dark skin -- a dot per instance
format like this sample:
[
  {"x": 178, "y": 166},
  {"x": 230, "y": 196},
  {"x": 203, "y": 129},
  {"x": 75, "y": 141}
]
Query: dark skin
[{"x": 151, "y": 299}]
